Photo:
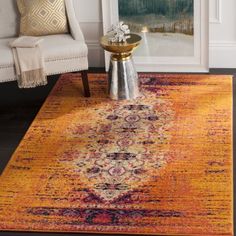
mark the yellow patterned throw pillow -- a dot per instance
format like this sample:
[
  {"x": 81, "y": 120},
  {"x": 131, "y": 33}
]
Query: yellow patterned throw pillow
[{"x": 42, "y": 17}]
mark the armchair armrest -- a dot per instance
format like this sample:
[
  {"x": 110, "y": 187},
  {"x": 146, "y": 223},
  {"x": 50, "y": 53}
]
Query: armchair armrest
[{"x": 73, "y": 21}]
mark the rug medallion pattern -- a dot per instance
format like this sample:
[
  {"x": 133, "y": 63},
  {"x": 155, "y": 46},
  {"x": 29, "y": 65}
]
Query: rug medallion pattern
[
  {"x": 120, "y": 148},
  {"x": 160, "y": 164}
]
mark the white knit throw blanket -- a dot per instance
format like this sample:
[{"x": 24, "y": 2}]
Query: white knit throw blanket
[{"x": 29, "y": 62}]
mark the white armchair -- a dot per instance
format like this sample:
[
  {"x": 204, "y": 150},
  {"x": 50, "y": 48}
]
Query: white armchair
[{"x": 63, "y": 52}]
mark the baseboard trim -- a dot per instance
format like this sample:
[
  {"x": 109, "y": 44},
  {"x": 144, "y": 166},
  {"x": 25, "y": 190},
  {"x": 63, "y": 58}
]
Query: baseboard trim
[
  {"x": 95, "y": 54},
  {"x": 222, "y": 54}
]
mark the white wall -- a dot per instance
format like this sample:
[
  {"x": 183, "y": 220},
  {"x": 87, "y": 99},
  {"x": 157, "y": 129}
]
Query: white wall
[
  {"x": 90, "y": 17},
  {"x": 222, "y": 50},
  {"x": 222, "y": 34}
]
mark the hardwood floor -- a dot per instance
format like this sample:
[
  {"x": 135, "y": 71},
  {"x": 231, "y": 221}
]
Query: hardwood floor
[{"x": 18, "y": 108}]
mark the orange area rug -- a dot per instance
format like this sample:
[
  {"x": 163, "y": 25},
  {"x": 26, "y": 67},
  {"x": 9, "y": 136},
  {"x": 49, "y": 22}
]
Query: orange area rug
[{"x": 160, "y": 164}]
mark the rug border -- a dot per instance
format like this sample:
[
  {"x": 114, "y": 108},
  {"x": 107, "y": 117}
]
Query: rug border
[{"x": 108, "y": 233}]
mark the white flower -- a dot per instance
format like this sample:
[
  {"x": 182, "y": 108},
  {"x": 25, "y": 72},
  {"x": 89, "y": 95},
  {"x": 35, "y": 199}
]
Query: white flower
[{"x": 119, "y": 33}]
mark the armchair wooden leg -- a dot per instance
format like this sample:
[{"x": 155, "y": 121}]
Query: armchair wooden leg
[{"x": 84, "y": 75}]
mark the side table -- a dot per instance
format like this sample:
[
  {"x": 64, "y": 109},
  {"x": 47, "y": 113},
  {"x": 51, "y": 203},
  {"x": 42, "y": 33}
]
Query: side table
[{"x": 123, "y": 78}]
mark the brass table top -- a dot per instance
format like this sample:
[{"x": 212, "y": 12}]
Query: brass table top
[{"x": 120, "y": 48}]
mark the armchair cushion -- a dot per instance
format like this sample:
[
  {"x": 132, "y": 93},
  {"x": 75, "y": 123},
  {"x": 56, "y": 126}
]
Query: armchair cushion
[
  {"x": 63, "y": 46},
  {"x": 42, "y": 17},
  {"x": 62, "y": 54}
]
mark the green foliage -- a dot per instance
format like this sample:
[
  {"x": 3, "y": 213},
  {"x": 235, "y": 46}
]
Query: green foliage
[{"x": 169, "y": 8}]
